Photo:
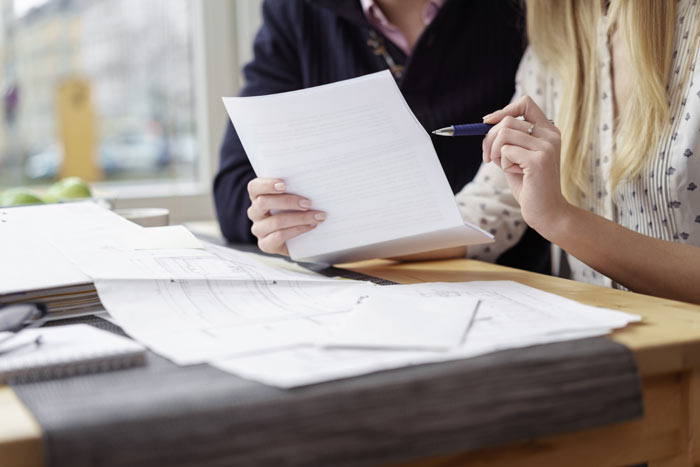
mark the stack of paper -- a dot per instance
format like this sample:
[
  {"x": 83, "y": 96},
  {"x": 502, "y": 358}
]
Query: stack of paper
[
  {"x": 35, "y": 270},
  {"x": 61, "y": 302}
]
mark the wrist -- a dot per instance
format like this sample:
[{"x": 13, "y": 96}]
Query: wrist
[{"x": 560, "y": 225}]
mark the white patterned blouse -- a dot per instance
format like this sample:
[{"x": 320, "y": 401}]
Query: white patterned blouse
[{"x": 663, "y": 202}]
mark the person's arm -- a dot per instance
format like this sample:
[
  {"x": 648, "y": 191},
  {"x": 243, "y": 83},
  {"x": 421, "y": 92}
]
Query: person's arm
[
  {"x": 488, "y": 203},
  {"x": 531, "y": 164},
  {"x": 275, "y": 68},
  {"x": 642, "y": 264}
]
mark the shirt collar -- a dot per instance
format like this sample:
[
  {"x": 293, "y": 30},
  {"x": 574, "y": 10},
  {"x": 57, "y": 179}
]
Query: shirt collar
[{"x": 372, "y": 10}]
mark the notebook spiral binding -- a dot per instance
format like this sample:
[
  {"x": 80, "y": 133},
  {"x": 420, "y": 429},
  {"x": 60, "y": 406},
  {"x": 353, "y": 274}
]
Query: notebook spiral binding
[{"x": 56, "y": 369}]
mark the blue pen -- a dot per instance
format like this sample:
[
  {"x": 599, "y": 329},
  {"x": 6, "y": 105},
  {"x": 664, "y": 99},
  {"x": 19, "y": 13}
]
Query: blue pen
[
  {"x": 473, "y": 129},
  {"x": 469, "y": 129}
]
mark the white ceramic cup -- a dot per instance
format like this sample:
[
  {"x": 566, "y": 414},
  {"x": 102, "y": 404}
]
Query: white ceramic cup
[{"x": 146, "y": 217}]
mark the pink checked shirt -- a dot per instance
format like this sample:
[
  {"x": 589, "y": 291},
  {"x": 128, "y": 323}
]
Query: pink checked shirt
[{"x": 375, "y": 16}]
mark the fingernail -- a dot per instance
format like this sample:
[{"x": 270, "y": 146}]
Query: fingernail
[
  {"x": 319, "y": 216},
  {"x": 486, "y": 117},
  {"x": 280, "y": 186},
  {"x": 305, "y": 203}
]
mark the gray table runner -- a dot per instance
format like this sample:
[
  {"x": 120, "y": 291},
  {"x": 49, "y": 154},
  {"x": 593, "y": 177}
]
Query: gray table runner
[{"x": 165, "y": 415}]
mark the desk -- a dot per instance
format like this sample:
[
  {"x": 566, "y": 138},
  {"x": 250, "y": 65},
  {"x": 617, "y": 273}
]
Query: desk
[{"x": 666, "y": 346}]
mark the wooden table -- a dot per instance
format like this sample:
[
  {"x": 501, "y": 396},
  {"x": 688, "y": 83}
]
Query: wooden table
[{"x": 666, "y": 345}]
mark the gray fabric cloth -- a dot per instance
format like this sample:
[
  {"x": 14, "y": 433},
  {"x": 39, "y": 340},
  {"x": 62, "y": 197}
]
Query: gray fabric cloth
[{"x": 166, "y": 415}]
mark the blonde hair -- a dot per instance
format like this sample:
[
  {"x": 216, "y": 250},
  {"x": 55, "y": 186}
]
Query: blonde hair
[{"x": 565, "y": 34}]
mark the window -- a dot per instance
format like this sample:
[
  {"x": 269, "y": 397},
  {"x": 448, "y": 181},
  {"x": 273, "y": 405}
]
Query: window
[
  {"x": 117, "y": 73},
  {"x": 123, "y": 93}
]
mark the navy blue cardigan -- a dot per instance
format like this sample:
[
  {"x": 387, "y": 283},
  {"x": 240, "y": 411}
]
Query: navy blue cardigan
[{"x": 461, "y": 68}]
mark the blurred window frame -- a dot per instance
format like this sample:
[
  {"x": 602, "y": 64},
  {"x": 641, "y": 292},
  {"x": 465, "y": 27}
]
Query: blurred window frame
[{"x": 221, "y": 28}]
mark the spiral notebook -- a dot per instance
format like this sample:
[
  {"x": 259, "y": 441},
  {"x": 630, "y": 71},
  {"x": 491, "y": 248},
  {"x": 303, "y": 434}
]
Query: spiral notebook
[{"x": 70, "y": 350}]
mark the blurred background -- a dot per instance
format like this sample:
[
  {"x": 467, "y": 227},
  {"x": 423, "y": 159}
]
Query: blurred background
[{"x": 125, "y": 94}]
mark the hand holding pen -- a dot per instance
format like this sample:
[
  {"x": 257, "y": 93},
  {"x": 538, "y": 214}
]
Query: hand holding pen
[
  {"x": 467, "y": 129},
  {"x": 481, "y": 129},
  {"x": 528, "y": 151},
  {"x": 471, "y": 129}
]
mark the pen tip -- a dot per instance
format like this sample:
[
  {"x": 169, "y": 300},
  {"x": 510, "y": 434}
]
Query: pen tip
[{"x": 447, "y": 131}]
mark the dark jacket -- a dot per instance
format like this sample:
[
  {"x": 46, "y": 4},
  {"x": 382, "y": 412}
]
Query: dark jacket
[{"x": 461, "y": 68}]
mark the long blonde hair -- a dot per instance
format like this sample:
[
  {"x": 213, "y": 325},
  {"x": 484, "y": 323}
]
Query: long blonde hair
[{"x": 565, "y": 35}]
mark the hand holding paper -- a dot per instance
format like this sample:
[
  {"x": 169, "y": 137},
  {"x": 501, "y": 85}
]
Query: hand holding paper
[
  {"x": 277, "y": 215},
  {"x": 358, "y": 153}
]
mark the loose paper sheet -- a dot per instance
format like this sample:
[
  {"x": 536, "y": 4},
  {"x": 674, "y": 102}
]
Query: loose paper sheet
[
  {"x": 193, "y": 321},
  {"x": 393, "y": 321},
  {"x": 510, "y": 315},
  {"x": 267, "y": 330}
]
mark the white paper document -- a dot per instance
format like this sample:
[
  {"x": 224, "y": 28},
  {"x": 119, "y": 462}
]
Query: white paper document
[
  {"x": 63, "y": 244},
  {"x": 186, "y": 303},
  {"x": 510, "y": 315},
  {"x": 357, "y": 151},
  {"x": 89, "y": 237},
  {"x": 194, "y": 321},
  {"x": 276, "y": 331},
  {"x": 28, "y": 261},
  {"x": 395, "y": 321}
]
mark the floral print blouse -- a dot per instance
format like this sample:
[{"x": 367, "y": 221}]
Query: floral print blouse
[{"x": 663, "y": 202}]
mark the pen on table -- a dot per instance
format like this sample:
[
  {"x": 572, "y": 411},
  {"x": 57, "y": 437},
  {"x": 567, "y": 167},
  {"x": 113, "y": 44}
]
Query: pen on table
[{"x": 468, "y": 129}]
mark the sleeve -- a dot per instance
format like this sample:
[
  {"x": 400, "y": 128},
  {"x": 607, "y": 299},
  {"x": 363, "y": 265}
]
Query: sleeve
[
  {"x": 275, "y": 68},
  {"x": 487, "y": 201}
]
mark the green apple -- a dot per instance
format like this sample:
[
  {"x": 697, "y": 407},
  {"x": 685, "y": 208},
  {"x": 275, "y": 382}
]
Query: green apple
[
  {"x": 68, "y": 188},
  {"x": 18, "y": 197}
]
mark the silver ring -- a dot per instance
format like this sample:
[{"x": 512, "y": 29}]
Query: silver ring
[{"x": 531, "y": 129}]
